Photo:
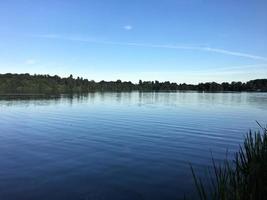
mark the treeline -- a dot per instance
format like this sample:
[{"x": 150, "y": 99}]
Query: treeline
[{"x": 46, "y": 84}]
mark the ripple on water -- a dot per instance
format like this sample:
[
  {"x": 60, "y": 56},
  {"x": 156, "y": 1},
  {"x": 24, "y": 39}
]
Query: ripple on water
[{"x": 118, "y": 145}]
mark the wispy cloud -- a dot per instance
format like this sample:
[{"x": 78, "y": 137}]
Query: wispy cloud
[
  {"x": 218, "y": 70},
  {"x": 30, "y": 62},
  {"x": 183, "y": 47},
  {"x": 61, "y": 37},
  {"x": 233, "y": 53},
  {"x": 240, "y": 68},
  {"x": 128, "y": 27}
]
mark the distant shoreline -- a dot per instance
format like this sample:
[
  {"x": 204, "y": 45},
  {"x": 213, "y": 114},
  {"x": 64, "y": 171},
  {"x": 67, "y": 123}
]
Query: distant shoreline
[
  {"x": 40, "y": 85},
  {"x": 103, "y": 91}
]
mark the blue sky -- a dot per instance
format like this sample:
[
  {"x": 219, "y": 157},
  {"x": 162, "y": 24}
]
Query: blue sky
[{"x": 178, "y": 40}]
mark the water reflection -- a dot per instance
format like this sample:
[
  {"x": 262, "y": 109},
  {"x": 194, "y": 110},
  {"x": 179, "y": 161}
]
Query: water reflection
[
  {"x": 143, "y": 98},
  {"x": 106, "y": 145}
]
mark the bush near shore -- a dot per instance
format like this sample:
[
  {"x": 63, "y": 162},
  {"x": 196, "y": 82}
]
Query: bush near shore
[{"x": 244, "y": 178}]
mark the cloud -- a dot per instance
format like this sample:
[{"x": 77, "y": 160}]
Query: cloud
[
  {"x": 163, "y": 46},
  {"x": 233, "y": 53},
  {"x": 52, "y": 36},
  {"x": 30, "y": 62},
  {"x": 61, "y": 37},
  {"x": 128, "y": 27},
  {"x": 241, "y": 68}
]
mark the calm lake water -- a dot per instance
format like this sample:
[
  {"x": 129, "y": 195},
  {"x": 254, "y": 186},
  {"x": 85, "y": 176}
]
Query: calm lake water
[{"x": 118, "y": 145}]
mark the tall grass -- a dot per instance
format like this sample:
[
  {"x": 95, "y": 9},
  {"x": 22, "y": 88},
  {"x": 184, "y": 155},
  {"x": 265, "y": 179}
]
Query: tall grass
[{"x": 244, "y": 178}]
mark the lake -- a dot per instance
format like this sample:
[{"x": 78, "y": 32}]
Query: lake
[{"x": 119, "y": 145}]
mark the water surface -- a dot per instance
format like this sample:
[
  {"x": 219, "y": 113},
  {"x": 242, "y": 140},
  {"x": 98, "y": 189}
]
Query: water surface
[{"x": 118, "y": 145}]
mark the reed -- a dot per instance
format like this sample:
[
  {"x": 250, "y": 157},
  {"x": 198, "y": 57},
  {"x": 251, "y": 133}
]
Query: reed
[{"x": 243, "y": 178}]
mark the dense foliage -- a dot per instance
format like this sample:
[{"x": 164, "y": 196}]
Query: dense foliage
[
  {"x": 46, "y": 84},
  {"x": 244, "y": 178}
]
